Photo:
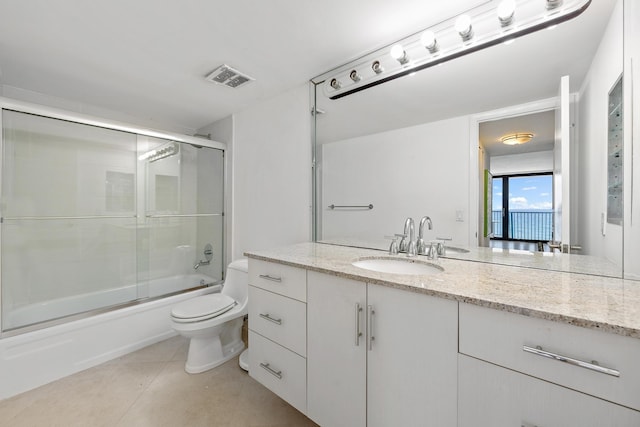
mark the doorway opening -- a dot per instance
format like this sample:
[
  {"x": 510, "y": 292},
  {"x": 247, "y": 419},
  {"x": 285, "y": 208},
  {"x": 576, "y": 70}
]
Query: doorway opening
[{"x": 519, "y": 188}]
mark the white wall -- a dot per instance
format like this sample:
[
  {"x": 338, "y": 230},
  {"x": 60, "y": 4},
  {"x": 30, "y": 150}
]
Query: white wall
[
  {"x": 374, "y": 169},
  {"x": 605, "y": 70},
  {"x": 541, "y": 161},
  {"x": 272, "y": 173}
]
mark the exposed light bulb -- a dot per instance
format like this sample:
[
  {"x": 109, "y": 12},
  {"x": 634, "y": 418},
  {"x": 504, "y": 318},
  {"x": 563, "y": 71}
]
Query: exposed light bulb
[
  {"x": 398, "y": 53},
  {"x": 428, "y": 40},
  {"x": 376, "y": 67},
  {"x": 553, "y": 4},
  {"x": 464, "y": 28},
  {"x": 506, "y": 12}
]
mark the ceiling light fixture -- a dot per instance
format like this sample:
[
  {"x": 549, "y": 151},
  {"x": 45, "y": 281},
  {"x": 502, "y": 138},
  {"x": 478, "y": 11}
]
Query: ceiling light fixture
[
  {"x": 478, "y": 28},
  {"x": 516, "y": 138}
]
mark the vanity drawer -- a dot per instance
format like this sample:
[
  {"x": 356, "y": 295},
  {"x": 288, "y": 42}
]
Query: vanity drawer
[
  {"x": 281, "y": 279},
  {"x": 280, "y": 370},
  {"x": 514, "y": 341},
  {"x": 281, "y": 319},
  {"x": 492, "y": 396}
]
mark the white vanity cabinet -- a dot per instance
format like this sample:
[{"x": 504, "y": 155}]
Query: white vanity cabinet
[
  {"x": 379, "y": 356},
  {"x": 520, "y": 370},
  {"x": 277, "y": 330}
]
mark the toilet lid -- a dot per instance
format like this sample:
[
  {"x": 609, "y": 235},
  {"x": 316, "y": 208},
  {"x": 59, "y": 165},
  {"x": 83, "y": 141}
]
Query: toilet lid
[{"x": 203, "y": 307}]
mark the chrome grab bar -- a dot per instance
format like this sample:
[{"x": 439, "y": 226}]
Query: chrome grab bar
[
  {"x": 271, "y": 319},
  {"x": 358, "y": 332},
  {"x": 369, "y": 206},
  {"x": 593, "y": 365},
  {"x": 272, "y": 278},
  {"x": 266, "y": 367}
]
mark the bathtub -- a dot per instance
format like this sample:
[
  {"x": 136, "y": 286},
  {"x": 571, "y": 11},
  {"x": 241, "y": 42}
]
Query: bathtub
[
  {"x": 78, "y": 304},
  {"x": 35, "y": 358}
]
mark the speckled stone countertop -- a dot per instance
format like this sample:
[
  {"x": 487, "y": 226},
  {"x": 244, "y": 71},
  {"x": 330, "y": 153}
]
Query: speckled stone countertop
[
  {"x": 555, "y": 261},
  {"x": 597, "y": 302}
]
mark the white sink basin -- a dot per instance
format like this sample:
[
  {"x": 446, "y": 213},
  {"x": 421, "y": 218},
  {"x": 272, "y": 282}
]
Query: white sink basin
[{"x": 398, "y": 266}]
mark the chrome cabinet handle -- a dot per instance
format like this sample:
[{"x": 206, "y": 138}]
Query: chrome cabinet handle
[
  {"x": 358, "y": 332},
  {"x": 271, "y": 319},
  {"x": 370, "y": 313},
  {"x": 266, "y": 367},
  {"x": 593, "y": 366},
  {"x": 272, "y": 278}
]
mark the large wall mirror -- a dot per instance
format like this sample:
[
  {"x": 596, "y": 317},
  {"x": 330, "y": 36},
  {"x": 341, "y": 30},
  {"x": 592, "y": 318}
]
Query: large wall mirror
[{"x": 422, "y": 145}]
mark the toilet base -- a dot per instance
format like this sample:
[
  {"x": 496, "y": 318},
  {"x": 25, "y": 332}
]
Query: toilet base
[
  {"x": 244, "y": 360},
  {"x": 207, "y": 353}
]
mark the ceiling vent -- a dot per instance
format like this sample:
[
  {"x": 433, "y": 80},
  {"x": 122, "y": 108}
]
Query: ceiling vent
[{"x": 225, "y": 75}]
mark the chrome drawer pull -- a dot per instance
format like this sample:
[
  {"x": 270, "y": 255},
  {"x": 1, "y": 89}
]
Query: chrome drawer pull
[
  {"x": 272, "y": 278},
  {"x": 271, "y": 319},
  {"x": 581, "y": 363},
  {"x": 370, "y": 313},
  {"x": 266, "y": 367},
  {"x": 358, "y": 332}
]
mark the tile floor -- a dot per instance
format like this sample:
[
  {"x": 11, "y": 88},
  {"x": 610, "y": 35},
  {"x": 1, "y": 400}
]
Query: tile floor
[{"x": 151, "y": 388}]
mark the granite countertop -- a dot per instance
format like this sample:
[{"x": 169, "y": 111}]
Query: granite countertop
[{"x": 597, "y": 302}]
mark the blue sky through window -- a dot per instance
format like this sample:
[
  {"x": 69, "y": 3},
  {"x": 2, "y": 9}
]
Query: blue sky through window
[{"x": 526, "y": 193}]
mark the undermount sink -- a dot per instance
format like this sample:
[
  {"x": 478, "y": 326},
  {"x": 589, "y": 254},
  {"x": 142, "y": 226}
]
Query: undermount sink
[{"x": 398, "y": 266}]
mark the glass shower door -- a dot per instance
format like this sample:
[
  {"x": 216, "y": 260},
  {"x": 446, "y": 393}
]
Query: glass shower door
[
  {"x": 68, "y": 234},
  {"x": 183, "y": 216}
]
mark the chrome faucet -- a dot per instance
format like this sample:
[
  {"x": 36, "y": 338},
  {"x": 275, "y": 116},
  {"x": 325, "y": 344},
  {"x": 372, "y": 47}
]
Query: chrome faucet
[
  {"x": 208, "y": 255},
  {"x": 421, "y": 246},
  {"x": 410, "y": 232}
]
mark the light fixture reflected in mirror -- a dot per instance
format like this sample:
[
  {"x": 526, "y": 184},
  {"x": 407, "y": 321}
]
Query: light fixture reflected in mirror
[{"x": 516, "y": 138}]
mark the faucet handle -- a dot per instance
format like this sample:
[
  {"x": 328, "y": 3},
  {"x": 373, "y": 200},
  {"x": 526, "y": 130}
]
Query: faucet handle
[{"x": 393, "y": 248}]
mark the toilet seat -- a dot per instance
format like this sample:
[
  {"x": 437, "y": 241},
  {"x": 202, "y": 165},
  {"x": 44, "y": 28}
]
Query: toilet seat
[{"x": 202, "y": 308}]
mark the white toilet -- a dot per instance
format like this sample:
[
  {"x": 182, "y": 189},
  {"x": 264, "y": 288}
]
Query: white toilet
[{"x": 213, "y": 322}]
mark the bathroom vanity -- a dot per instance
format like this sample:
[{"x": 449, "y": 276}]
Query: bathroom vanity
[{"x": 472, "y": 344}]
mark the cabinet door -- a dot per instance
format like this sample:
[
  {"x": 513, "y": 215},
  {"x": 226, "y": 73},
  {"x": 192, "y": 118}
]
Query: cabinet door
[
  {"x": 412, "y": 364},
  {"x": 492, "y": 396},
  {"x": 336, "y": 361}
]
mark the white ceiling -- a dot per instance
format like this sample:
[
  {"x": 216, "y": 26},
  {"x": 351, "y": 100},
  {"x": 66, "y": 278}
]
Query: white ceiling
[{"x": 148, "y": 58}]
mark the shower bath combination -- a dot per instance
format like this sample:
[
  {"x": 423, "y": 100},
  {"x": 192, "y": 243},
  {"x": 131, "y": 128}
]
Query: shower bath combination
[{"x": 121, "y": 209}]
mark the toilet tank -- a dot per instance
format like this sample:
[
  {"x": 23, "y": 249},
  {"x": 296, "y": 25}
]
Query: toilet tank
[{"x": 236, "y": 282}]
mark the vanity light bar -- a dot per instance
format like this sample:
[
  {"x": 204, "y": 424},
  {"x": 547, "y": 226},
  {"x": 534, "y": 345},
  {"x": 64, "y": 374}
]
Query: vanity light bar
[{"x": 476, "y": 29}]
